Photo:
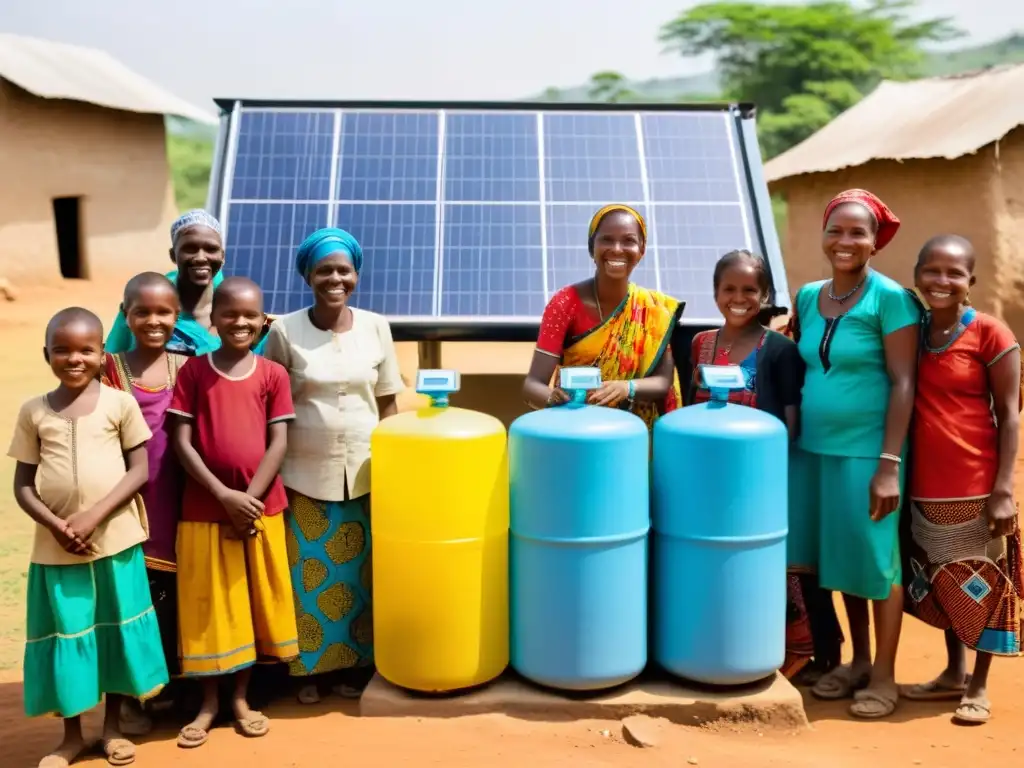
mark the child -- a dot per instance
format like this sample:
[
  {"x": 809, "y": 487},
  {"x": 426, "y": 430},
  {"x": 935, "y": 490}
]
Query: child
[
  {"x": 81, "y": 459},
  {"x": 774, "y": 372},
  {"x": 235, "y": 600},
  {"x": 148, "y": 372},
  {"x": 964, "y": 547}
]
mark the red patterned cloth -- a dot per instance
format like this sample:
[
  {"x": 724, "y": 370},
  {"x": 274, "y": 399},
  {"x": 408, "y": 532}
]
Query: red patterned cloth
[{"x": 888, "y": 224}]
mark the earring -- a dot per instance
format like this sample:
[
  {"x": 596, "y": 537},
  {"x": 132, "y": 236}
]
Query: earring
[{"x": 967, "y": 299}]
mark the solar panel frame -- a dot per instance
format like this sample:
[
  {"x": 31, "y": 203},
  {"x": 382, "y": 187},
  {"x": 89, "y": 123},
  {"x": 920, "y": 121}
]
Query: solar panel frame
[{"x": 752, "y": 192}]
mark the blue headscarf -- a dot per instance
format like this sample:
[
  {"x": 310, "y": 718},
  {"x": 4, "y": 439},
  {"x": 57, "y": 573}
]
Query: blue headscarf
[{"x": 326, "y": 242}]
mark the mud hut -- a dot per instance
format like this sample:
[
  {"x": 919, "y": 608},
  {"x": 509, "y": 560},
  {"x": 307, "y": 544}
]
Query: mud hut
[
  {"x": 947, "y": 155},
  {"x": 85, "y": 190}
]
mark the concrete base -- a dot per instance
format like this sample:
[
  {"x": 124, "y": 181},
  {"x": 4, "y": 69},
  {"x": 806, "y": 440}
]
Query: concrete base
[{"x": 774, "y": 703}]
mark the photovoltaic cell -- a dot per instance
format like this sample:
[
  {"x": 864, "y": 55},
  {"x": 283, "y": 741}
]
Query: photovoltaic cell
[{"x": 482, "y": 214}]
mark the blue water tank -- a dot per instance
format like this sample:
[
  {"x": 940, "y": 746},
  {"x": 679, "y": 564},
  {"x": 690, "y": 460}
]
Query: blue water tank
[
  {"x": 579, "y": 484},
  {"x": 718, "y": 559}
]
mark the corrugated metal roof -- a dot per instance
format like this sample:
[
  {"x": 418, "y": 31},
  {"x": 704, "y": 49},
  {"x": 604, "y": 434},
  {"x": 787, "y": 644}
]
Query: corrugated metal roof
[
  {"x": 59, "y": 71},
  {"x": 939, "y": 117}
]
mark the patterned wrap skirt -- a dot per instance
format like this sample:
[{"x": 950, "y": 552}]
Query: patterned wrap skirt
[
  {"x": 329, "y": 555},
  {"x": 960, "y": 578},
  {"x": 92, "y": 630}
]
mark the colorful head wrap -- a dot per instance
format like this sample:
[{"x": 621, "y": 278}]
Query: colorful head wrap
[
  {"x": 886, "y": 219},
  {"x": 599, "y": 217},
  {"x": 326, "y": 242},
  {"x": 195, "y": 218}
]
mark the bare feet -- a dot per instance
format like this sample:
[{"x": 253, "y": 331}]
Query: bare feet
[{"x": 949, "y": 686}]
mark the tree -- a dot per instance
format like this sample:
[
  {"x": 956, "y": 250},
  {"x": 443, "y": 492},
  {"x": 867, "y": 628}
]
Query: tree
[
  {"x": 803, "y": 64},
  {"x": 609, "y": 87}
]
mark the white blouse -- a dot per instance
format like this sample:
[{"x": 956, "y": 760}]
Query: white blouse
[{"x": 336, "y": 380}]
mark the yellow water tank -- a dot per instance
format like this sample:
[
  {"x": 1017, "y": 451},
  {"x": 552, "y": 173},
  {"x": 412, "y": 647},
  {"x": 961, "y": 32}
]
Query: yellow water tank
[{"x": 439, "y": 490}]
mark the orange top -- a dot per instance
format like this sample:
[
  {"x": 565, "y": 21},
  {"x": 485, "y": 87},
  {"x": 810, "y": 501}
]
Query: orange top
[{"x": 954, "y": 430}]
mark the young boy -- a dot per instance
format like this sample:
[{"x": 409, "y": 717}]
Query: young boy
[
  {"x": 235, "y": 601},
  {"x": 81, "y": 460}
]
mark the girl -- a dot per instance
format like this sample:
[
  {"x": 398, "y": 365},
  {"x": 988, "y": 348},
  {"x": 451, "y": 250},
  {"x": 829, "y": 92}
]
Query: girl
[
  {"x": 234, "y": 591},
  {"x": 81, "y": 459},
  {"x": 965, "y": 546},
  {"x": 774, "y": 373},
  {"x": 147, "y": 372}
]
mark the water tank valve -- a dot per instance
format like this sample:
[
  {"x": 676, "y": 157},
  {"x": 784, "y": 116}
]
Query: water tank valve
[
  {"x": 721, "y": 380},
  {"x": 437, "y": 385},
  {"x": 578, "y": 381}
]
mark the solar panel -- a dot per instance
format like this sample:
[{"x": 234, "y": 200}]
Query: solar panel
[{"x": 476, "y": 215}]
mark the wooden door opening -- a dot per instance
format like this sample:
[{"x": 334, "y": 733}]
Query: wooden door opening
[{"x": 67, "y": 218}]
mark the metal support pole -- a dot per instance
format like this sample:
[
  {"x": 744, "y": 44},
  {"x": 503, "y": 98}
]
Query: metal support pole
[{"x": 429, "y": 354}]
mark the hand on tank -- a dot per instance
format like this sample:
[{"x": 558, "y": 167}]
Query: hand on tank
[
  {"x": 1001, "y": 513},
  {"x": 558, "y": 396},
  {"x": 885, "y": 490},
  {"x": 609, "y": 394}
]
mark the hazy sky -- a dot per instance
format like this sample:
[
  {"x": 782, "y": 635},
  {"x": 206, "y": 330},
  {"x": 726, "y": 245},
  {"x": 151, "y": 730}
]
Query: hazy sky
[{"x": 394, "y": 49}]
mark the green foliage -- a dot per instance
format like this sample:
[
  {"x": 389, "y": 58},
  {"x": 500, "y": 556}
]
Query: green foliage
[
  {"x": 803, "y": 64},
  {"x": 190, "y": 160},
  {"x": 1009, "y": 50},
  {"x": 610, "y": 88}
]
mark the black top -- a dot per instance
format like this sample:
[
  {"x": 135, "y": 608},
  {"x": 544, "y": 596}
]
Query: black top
[{"x": 780, "y": 375}]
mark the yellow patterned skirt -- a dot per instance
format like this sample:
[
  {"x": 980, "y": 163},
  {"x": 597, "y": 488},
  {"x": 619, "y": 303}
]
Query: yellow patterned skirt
[
  {"x": 329, "y": 555},
  {"x": 234, "y": 598}
]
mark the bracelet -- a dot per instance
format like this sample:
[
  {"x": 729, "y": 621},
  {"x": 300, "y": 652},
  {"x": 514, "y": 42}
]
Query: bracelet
[
  {"x": 891, "y": 457},
  {"x": 631, "y": 389}
]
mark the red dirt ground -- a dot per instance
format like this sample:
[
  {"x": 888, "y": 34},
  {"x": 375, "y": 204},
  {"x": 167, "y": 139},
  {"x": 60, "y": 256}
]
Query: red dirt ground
[{"x": 332, "y": 732}]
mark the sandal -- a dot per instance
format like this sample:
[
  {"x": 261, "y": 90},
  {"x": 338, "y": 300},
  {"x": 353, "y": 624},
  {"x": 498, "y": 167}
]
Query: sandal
[
  {"x": 935, "y": 690},
  {"x": 192, "y": 736},
  {"x": 840, "y": 683},
  {"x": 254, "y": 726},
  {"x": 973, "y": 711},
  {"x": 308, "y": 694},
  {"x": 119, "y": 751},
  {"x": 347, "y": 691},
  {"x": 63, "y": 757},
  {"x": 875, "y": 703}
]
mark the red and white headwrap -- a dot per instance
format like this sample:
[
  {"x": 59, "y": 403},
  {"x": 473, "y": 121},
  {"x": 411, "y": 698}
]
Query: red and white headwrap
[{"x": 886, "y": 219}]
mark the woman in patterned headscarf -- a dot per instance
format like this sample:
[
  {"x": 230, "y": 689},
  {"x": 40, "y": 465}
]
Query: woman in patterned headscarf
[
  {"x": 857, "y": 333},
  {"x": 197, "y": 250},
  {"x": 332, "y": 348},
  {"x": 610, "y": 323}
]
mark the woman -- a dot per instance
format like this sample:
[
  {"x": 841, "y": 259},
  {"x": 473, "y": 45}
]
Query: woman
[
  {"x": 857, "y": 334},
  {"x": 964, "y": 545},
  {"x": 345, "y": 378},
  {"x": 197, "y": 251},
  {"x": 608, "y": 323}
]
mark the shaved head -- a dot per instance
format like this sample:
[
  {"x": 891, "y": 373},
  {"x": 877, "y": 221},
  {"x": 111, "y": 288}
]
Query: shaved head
[
  {"x": 235, "y": 287},
  {"x": 951, "y": 244},
  {"x": 141, "y": 282},
  {"x": 73, "y": 316}
]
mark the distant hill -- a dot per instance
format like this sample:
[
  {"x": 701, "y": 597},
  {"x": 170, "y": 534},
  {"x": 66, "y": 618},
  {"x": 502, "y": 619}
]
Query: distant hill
[{"x": 1009, "y": 50}]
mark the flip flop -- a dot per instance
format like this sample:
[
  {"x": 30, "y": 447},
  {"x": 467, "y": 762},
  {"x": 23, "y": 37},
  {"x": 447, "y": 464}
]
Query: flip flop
[
  {"x": 62, "y": 758},
  {"x": 874, "y": 703},
  {"x": 840, "y": 683},
  {"x": 973, "y": 712},
  {"x": 192, "y": 736},
  {"x": 119, "y": 751},
  {"x": 254, "y": 726},
  {"x": 934, "y": 691}
]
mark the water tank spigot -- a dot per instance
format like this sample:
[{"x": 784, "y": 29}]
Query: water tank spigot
[
  {"x": 577, "y": 382},
  {"x": 721, "y": 380},
  {"x": 437, "y": 385}
]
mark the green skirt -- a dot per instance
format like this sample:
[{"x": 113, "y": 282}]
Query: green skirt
[
  {"x": 91, "y": 630},
  {"x": 831, "y": 532}
]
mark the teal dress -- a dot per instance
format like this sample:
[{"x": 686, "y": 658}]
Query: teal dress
[
  {"x": 843, "y": 409},
  {"x": 190, "y": 338}
]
